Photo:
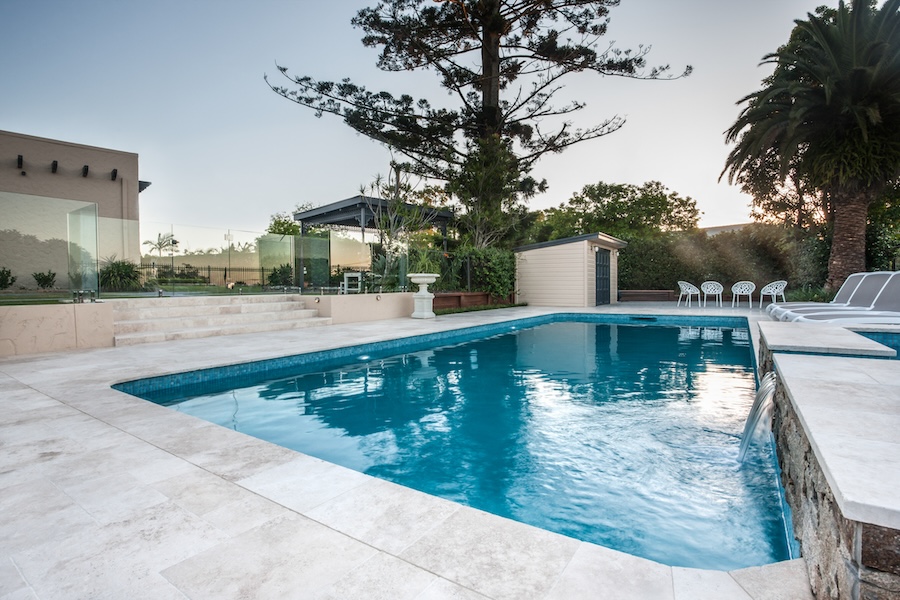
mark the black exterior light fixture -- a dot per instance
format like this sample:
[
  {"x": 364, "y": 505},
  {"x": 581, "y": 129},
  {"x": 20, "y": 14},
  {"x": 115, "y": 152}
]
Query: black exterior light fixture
[
  {"x": 54, "y": 166},
  {"x": 84, "y": 171},
  {"x": 19, "y": 162},
  {"x": 114, "y": 174}
]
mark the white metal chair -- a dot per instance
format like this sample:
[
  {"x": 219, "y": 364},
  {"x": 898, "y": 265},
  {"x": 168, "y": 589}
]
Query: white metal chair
[
  {"x": 712, "y": 288},
  {"x": 352, "y": 283},
  {"x": 742, "y": 288},
  {"x": 687, "y": 289},
  {"x": 774, "y": 289}
]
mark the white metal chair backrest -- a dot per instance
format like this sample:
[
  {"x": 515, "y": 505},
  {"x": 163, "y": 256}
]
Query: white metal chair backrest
[
  {"x": 743, "y": 288},
  {"x": 712, "y": 288},
  {"x": 774, "y": 289}
]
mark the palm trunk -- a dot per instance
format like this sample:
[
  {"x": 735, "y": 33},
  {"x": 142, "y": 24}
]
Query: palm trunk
[{"x": 848, "y": 244}]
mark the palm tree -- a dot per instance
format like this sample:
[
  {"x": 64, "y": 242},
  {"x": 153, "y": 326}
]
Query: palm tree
[
  {"x": 164, "y": 241},
  {"x": 830, "y": 114}
]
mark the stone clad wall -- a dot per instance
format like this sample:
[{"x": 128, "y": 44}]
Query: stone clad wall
[
  {"x": 55, "y": 327},
  {"x": 825, "y": 536},
  {"x": 846, "y": 560}
]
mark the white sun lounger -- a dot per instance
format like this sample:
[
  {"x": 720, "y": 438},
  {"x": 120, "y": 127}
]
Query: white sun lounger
[
  {"x": 885, "y": 306},
  {"x": 863, "y": 298},
  {"x": 840, "y": 299},
  {"x": 852, "y": 317}
]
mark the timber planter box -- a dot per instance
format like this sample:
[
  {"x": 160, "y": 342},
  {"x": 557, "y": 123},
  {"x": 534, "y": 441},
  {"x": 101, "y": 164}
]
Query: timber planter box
[
  {"x": 646, "y": 295},
  {"x": 466, "y": 299}
]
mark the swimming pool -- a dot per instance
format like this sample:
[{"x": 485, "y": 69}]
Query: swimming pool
[
  {"x": 891, "y": 339},
  {"x": 622, "y": 434}
]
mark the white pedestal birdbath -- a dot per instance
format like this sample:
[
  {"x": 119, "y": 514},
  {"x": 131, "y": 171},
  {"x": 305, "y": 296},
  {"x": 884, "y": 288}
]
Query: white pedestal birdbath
[{"x": 424, "y": 300}]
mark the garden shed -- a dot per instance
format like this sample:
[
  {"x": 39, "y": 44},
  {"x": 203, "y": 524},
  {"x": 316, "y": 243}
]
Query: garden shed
[{"x": 577, "y": 271}]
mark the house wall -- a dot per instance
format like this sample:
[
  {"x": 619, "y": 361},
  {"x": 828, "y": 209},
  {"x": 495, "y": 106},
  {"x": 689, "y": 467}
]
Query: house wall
[
  {"x": 117, "y": 201},
  {"x": 562, "y": 275}
]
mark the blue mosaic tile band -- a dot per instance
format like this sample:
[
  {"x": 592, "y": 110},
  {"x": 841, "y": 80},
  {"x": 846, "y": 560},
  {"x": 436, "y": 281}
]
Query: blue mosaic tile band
[{"x": 227, "y": 377}]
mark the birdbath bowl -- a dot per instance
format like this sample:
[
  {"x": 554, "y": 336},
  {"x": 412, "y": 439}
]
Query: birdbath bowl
[{"x": 423, "y": 299}]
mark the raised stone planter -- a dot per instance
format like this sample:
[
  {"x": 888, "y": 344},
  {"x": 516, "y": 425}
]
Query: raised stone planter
[
  {"x": 836, "y": 493},
  {"x": 845, "y": 559}
]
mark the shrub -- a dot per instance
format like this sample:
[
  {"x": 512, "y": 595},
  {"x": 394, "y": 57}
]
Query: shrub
[
  {"x": 758, "y": 253},
  {"x": 183, "y": 274},
  {"x": 492, "y": 270},
  {"x": 45, "y": 280},
  {"x": 425, "y": 260},
  {"x": 6, "y": 278},
  {"x": 120, "y": 276},
  {"x": 810, "y": 294},
  {"x": 282, "y": 276}
]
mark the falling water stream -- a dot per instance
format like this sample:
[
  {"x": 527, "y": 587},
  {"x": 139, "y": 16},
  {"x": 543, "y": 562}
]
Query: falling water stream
[{"x": 760, "y": 417}]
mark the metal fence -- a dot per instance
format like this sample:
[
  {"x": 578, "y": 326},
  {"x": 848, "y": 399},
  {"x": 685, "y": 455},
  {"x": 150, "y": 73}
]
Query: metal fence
[{"x": 204, "y": 275}]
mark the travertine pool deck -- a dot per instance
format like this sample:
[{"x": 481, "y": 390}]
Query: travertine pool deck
[
  {"x": 103, "y": 495},
  {"x": 813, "y": 338}
]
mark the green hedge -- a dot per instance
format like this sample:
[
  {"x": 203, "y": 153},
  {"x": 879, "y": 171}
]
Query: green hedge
[
  {"x": 491, "y": 270},
  {"x": 758, "y": 253}
]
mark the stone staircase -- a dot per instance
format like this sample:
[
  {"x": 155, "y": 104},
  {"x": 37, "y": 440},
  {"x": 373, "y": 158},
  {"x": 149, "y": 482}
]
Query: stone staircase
[{"x": 142, "y": 320}]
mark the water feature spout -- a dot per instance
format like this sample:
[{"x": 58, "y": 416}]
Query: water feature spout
[{"x": 760, "y": 417}]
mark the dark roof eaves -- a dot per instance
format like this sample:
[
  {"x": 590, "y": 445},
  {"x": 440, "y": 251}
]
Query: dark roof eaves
[{"x": 612, "y": 241}]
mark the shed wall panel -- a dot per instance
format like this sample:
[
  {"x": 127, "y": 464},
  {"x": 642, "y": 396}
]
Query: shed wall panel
[
  {"x": 553, "y": 276},
  {"x": 563, "y": 275}
]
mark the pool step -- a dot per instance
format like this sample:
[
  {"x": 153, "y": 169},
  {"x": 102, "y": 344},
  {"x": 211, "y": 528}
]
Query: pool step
[{"x": 144, "y": 320}]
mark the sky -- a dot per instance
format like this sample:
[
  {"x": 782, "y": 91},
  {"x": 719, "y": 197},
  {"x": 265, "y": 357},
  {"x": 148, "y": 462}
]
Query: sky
[{"x": 180, "y": 83}]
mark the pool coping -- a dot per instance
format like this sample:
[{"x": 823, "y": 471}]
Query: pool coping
[{"x": 103, "y": 462}]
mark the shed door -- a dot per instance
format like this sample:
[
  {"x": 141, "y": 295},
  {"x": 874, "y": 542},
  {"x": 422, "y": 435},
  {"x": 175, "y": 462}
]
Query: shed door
[{"x": 601, "y": 270}]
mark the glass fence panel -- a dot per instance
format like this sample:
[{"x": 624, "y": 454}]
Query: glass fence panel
[
  {"x": 69, "y": 247},
  {"x": 83, "y": 268},
  {"x": 47, "y": 245},
  {"x": 314, "y": 258}
]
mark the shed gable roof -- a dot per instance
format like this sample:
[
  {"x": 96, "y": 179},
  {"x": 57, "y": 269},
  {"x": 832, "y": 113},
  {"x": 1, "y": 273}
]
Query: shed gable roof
[{"x": 607, "y": 240}]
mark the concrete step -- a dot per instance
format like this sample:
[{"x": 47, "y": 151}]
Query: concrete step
[
  {"x": 143, "y": 320},
  {"x": 202, "y": 310},
  {"x": 130, "y": 339},
  {"x": 217, "y": 300},
  {"x": 191, "y": 321}
]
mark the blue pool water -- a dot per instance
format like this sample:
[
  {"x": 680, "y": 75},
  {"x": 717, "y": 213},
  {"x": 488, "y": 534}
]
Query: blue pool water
[
  {"x": 619, "y": 434},
  {"x": 891, "y": 339}
]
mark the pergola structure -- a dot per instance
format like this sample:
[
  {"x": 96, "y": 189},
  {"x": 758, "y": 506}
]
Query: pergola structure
[{"x": 360, "y": 211}]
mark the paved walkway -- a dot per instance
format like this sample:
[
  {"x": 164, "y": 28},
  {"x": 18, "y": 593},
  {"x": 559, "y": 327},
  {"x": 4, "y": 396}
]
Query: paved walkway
[{"x": 103, "y": 495}]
